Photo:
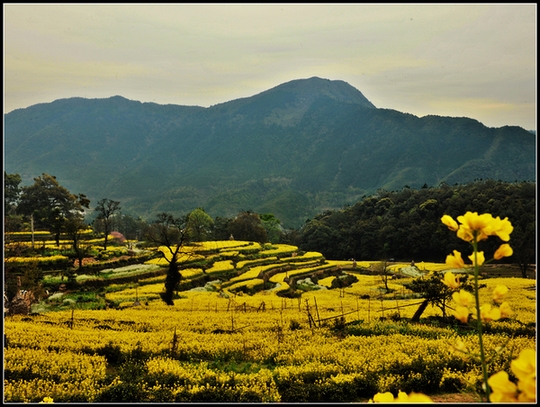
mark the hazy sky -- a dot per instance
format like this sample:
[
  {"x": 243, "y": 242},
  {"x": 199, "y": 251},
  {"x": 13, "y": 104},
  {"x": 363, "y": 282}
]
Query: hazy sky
[{"x": 476, "y": 60}]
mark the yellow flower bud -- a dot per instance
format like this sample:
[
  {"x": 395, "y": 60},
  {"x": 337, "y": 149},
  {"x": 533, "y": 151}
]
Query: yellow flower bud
[
  {"x": 527, "y": 390},
  {"x": 419, "y": 398},
  {"x": 383, "y": 397},
  {"x": 524, "y": 366},
  {"x": 450, "y": 222},
  {"x": 503, "y": 389},
  {"x": 402, "y": 397},
  {"x": 504, "y": 250},
  {"x": 506, "y": 311},
  {"x": 465, "y": 234},
  {"x": 463, "y": 298},
  {"x": 501, "y": 228},
  {"x": 461, "y": 313},
  {"x": 488, "y": 313},
  {"x": 455, "y": 260},
  {"x": 499, "y": 292},
  {"x": 474, "y": 224},
  {"x": 479, "y": 258},
  {"x": 450, "y": 280}
]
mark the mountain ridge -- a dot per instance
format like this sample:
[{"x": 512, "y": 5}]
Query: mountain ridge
[{"x": 298, "y": 148}]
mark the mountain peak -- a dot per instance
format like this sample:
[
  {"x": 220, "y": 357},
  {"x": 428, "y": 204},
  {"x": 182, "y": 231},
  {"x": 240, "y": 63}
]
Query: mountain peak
[
  {"x": 286, "y": 104},
  {"x": 315, "y": 87}
]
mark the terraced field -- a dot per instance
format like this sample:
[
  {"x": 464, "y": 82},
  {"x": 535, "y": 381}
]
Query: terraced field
[{"x": 254, "y": 323}]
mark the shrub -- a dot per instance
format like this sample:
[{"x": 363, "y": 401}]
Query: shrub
[
  {"x": 121, "y": 392},
  {"x": 294, "y": 325},
  {"x": 113, "y": 353}
]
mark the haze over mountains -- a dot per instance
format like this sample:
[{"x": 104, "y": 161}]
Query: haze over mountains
[{"x": 295, "y": 150}]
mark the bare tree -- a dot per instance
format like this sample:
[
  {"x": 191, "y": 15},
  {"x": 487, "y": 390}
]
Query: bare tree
[
  {"x": 170, "y": 234},
  {"x": 75, "y": 228},
  {"x": 106, "y": 208},
  {"x": 384, "y": 272}
]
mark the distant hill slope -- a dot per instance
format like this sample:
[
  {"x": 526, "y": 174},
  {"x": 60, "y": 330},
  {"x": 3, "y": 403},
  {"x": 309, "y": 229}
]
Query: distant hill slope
[{"x": 297, "y": 149}]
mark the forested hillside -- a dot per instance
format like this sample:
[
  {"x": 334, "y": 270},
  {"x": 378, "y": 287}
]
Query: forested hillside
[
  {"x": 406, "y": 224},
  {"x": 296, "y": 150}
]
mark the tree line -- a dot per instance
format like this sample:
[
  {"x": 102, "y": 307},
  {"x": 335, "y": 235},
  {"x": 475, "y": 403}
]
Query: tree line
[
  {"x": 401, "y": 225},
  {"x": 47, "y": 205}
]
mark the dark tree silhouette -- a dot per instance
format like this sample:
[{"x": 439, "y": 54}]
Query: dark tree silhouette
[{"x": 170, "y": 234}]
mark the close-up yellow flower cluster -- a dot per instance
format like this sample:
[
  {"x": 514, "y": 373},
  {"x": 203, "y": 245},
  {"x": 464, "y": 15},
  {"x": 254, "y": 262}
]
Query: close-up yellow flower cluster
[
  {"x": 474, "y": 228},
  {"x": 402, "y": 397},
  {"x": 465, "y": 301},
  {"x": 524, "y": 369}
]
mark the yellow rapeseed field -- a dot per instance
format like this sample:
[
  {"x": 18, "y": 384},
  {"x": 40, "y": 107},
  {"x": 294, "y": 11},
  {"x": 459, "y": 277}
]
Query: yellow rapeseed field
[{"x": 220, "y": 344}]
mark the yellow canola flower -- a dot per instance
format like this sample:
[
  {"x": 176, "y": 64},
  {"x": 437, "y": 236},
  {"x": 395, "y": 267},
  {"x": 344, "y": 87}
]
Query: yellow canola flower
[
  {"x": 524, "y": 367},
  {"x": 463, "y": 298},
  {"x": 402, "y": 397},
  {"x": 458, "y": 346},
  {"x": 504, "y": 250},
  {"x": 455, "y": 260},
  {"x": 414, "y": 398},
  {"x": 473, "y": 224},
  {"x": 501, "y": 228},
  {"x": 527, "y": 390},
  {"x": 503, "y": 390},
  {"x": 461, "y": 313},
  {"x": 450, "y": 222},
  {"x": 499, "y": 292},
  {"x": 382, "y": 397},
  {"x": 505, "y": 309},
  {"x": 450, "y": 280},
  {"x": 47, "y": 400},
  {"x": 480, "y": 258},
  {"x": 488, "y": 313},
  {"x": 480, "y": 226}
]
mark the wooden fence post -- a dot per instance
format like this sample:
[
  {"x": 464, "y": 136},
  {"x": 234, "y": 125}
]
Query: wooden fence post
[{"x": 317, "y": 310}]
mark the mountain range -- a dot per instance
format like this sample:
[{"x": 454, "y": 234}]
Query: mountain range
[{"x": 295, "y": 150}]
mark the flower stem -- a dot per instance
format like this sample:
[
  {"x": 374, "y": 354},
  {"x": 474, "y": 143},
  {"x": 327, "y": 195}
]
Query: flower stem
[{"x": 479, "y": 319}]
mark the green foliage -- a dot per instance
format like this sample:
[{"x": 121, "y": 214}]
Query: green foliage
[
  {"x": 12, "y": 191},
  {"x": 406, "y": 224},
  {"x": 199, "y": 224},
  {"x": 419, "y": 375},
  {"x": 273, "y": 227},
  {"x": 50, "y": 205},
  {"x": 248, "y": 226}
]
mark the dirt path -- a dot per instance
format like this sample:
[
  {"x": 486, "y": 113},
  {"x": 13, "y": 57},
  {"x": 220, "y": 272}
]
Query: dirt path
[{"x": 456, "y": 398}]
